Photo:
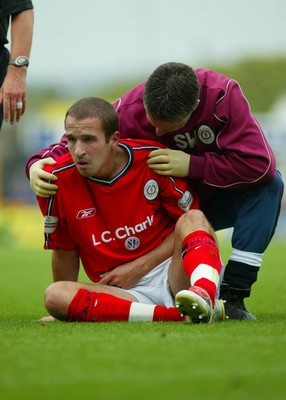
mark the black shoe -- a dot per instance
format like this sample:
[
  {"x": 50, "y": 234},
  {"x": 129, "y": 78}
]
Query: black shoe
[{"x": 235, "y": 308}]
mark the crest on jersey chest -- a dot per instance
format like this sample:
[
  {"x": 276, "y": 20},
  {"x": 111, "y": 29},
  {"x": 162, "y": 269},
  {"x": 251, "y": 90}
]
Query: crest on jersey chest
[{"x": 151, "y": 189}]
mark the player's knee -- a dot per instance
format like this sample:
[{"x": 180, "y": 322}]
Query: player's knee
[
  {"x": 192, "y": 218},
  {"x": 191, "y": 221},
  {"x": 53, "y": 295}
]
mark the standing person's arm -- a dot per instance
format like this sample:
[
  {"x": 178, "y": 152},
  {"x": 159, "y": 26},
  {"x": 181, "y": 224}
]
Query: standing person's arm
[{"x": 14, "y": 87}]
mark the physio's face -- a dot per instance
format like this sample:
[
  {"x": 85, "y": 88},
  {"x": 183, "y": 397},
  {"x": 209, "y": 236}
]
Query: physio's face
[
  {"x": 163, "y": 126},
  {"x": 88, "y": 147}
]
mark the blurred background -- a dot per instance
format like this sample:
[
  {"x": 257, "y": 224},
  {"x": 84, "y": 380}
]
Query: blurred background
[{"x": 104, "y": 48}]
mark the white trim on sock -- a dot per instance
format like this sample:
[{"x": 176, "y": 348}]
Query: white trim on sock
[
  {"x": 141, "y": 312},
  {"x": 205, "y": 271},
  {"x": 246, "y": 257}
]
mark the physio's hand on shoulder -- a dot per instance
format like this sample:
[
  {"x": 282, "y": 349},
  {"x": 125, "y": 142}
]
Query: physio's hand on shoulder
[
  {"x": 169, "y": 162},
  {"x": 38, "y": 178}
]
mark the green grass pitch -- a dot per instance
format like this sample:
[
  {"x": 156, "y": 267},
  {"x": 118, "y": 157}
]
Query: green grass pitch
[{"x": 230, "y": 360}]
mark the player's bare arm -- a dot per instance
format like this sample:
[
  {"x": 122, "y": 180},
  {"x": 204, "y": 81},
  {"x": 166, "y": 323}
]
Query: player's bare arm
[
  {"x": 40, "y": 179},
  {"x": 65, "y": 264},
  {"x": 127, "y": 275}
]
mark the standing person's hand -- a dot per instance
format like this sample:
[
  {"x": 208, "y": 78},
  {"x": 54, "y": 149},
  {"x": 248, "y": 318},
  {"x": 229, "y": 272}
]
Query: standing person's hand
[{"x": 13, "y": 94}]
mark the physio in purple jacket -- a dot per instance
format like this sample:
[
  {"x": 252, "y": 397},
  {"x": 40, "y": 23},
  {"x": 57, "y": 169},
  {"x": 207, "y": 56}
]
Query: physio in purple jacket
[{"x": 214, "y": 140}]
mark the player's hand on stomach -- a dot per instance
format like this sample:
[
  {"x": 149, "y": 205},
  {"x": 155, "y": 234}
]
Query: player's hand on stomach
[
  {"x": 124, "y": 276},
  {"x": 39, "y": 178}
]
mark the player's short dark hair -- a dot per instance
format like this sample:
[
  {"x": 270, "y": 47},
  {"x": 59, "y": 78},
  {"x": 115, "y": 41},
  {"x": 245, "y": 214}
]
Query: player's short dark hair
[
  {"x": 96, "y": 107},
  {"x": 171, "y": 92}
]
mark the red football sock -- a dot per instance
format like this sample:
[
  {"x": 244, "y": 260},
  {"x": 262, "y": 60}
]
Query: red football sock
[
  {"x": 102, "y": 307},
  {"x": 201, "y": 261}
]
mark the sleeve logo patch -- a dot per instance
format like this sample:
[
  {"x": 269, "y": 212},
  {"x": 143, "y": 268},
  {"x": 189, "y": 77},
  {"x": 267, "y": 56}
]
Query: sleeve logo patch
[
  {"x": 185, "y": 201},
  {"x": 50, "y": 224}
]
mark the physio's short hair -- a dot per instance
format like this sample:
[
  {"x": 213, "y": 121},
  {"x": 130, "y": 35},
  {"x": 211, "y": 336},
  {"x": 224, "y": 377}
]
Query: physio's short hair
[
  {"x": 95, "y": 107},
  {"x": 171, "y": 92}
]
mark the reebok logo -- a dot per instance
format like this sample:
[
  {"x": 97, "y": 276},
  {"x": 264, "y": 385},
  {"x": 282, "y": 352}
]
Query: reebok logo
[{"x": 87, "y": 213}]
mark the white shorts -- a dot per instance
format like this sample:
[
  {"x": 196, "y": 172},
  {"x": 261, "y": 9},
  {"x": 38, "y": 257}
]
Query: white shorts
[{"x": 154, "y": 288}]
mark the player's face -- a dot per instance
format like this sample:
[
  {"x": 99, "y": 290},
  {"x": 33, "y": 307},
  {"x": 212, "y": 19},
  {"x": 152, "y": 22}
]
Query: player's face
[
  {"x": 93, "y": 156},
  {"x": 163, "y": 126}
]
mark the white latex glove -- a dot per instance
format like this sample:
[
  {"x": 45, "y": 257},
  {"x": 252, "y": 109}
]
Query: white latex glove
[
  {"x": 38, "y": 178},
  {"x": 169, "y": 162}
]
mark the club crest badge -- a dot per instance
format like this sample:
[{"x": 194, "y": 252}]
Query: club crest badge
[
  {"x": 205, "y": 134},
  {"x": 151, "y": 189}
]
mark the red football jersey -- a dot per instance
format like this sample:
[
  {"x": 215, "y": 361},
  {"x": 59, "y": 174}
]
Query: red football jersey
[{"x": 113, "y": 222}]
